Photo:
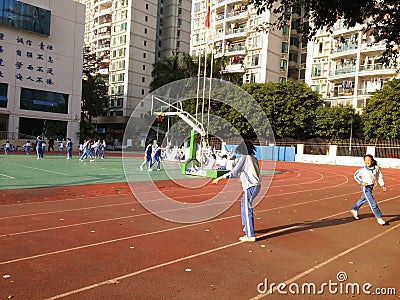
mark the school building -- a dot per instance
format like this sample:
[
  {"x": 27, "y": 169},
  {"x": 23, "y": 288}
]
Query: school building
[{"x": 41, "y": 55}]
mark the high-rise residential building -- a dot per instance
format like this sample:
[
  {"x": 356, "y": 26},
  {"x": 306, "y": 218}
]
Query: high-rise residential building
[
  {"x": 235, "y": 32},
  {"x": 40, "y": 68},
  {"x": 345, "y": 66},
  {"x": 130, "y": 36}
]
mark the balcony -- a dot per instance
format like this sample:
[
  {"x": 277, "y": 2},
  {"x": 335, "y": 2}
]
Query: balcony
[
  {"x": 239, "y": 14},
  {"x": 236, "y": 32},
  {"x": 236, "y": 50},
  {"x": 375, "y": 69},
  {"x": 342, "y": 71},
  {"x": 345, "y": 47},
  {"x": 234, "y": 68}
]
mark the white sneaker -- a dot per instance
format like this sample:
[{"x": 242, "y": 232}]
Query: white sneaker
[
  {"x": 355, "y": 214},
  {"x": 149, "y": 169},
  {"x": 381, "y": 221},
  {"x": 247, "y": 238},
  {"x": 158, "y": 169},
  {"x": 141, "y": 168}
]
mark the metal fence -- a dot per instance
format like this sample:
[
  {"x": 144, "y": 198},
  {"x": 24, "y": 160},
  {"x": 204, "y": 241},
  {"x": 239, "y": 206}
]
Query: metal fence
[{"x": 354, "y": 147}]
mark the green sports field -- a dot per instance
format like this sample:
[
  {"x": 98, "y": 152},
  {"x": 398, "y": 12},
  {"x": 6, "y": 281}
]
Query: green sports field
[{"x": 22, "y": 171}]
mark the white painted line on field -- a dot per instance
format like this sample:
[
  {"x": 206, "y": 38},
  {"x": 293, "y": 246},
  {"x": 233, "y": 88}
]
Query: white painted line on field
[
  {"x": 39, "y": 169},
  {"x": 8, "y": 177}
]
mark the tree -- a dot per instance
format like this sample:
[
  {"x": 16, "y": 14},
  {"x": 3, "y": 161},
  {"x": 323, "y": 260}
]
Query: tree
[
  {"x": 381, "y": 115},
  {"x": 290, "y": 107},
  {"x": 336, "y": 123},
  {"x": 94, "y": 91},
  {"x": 182, "y": 66},
  {"x": 383, "y": 17}
]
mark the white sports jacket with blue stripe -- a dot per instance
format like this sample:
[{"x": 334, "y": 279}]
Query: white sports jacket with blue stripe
[{"x": 369, "y": 175}]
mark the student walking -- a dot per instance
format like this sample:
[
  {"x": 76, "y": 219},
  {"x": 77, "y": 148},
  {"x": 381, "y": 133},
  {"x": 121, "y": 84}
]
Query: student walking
[
  {"x": 61, "y": 148},
  {"x": 367, "y": 177},
  {"x": 69, "y": 148},
  {"x": 147, "y": 156},
  {"x": 249, "y": 172},
  {"x": 86, "y": 150},
  {"x": 103, "y": 149},
  {"x": 156, "y": 157},
  {"x": 39, "y": 147},
  {"x": 8, "y": 148},
  {"x": 28, "y": 147}
]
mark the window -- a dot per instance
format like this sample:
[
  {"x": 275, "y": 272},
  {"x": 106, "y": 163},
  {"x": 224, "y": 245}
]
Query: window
[
  {"x": 282, "y": 79},
  {"x": 177, "y": 44},
  {"x": 293, "y": 56},
  {"x": 147, "y": 6},
  {"x": 179, "y": 10},
  {"x": 197, "y": 7},
  {"x": 179, "y": 22},
  {"x": 25, "y": 16},
  {"x": 119, "y": 102},
  {"x": 302, "y": 74},
  {"x": 143, "y": 79},
  {"x": 145, "y": 43},
  {"x": 303, "y": 59},
  {"x": 144, "y": 67},
  {"x": 294, "y": 41},
  {"x": 43, "y": 101},
  {"x": 123, "y": 26},
  {"x": 144, "y": 55},
  {"x": 285, "y": 47},
  {"x": 286, "y": 30},
  {"x": 142, "y": 94},
  {"x": 120, "y": 90},
  {"x": 283, "y": 64},
  {"x": 118, "y": 113},
  {"x": 318, "y": 48},
  {"x": 3, "y": 95},
  {"x": 256, "y": 42},
  {"x": 316, "y": 70},
  {"x": 145, "y": 31},
  {"x": 146, "y": 18},
  {"x": 255, "y": 59}
]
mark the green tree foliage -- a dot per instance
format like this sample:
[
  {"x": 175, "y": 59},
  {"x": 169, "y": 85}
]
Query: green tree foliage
[
  {"x": 290, "y": 107},
  {"x": 94, "y": 89},
  {"x": 182, "y": 66},
  {"x": 381, "y": 115},
  {"x": 383, "y": 17},
  {"x": 336, "y": 123}
]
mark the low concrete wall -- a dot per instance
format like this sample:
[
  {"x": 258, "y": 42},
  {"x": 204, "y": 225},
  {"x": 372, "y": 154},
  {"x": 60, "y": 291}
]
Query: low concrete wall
[{"x": 332, "y": 159}]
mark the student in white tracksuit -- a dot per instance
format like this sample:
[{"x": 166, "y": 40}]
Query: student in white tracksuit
[
  {"x": 249, "y": 172},
  {"x": 366, "y": 177}
]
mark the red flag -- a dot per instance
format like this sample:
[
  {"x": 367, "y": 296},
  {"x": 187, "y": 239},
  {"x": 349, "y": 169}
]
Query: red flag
[{"x": 207, "y": 22}]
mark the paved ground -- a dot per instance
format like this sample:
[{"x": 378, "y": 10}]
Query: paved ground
[{"x": 97, "y": 241}]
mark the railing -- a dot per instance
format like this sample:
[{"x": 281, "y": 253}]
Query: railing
[
  {"x": 371, "y": 67},
  {"x": 237, "y": 13},
  {"x": 237, "y": 30},
  {"x": 236, "y": 48},
  {"x": 342, "y": 71},
  {"x": 343, "y": 48}
]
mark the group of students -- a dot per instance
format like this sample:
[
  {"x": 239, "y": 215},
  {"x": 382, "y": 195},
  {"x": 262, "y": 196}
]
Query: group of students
[
  {"x": 152, "y": 155},
  {"x": 40, "y": 147},
  {"x": 248, "y": 170},
  {"x": 92, "y": 150}
]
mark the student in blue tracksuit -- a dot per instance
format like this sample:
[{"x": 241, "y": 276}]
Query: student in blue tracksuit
[
  {"x": 249, "y": 172},
  {"x": 147, "y": 156},
  {"x": 366, "y": 177},
  {"x": 39, "y": 147},
  {"x": 87, "y": 148},
  {"x": 69, "y": 148},
  {"x": 156, "y": 157}
]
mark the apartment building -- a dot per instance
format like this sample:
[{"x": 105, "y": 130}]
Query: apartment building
[
  {"x": 130, "y": 36},
  {"x": 344, "y": 66},
  {"x": 40, "y": 68},
  {"x": 255, "y": 55}
]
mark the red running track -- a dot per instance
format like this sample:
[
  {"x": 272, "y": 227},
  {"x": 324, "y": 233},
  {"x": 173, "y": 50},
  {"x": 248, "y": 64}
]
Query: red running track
[{"x": 82, "y": 244}]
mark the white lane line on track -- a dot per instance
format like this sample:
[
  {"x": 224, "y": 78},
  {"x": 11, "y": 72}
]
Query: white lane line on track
[
  {"x": 225, "y": 247},
  {"x": 7, "y": 177},
  {"x": 149, "y": 213},
  {"x": 167, "y": 230},
  {"x": 324, "y": 263}
]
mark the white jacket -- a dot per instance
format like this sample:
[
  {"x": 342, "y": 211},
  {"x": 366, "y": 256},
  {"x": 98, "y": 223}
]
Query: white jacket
[
  {"x": 248, "y": 170},
  {"x": 369, "y": 175}
]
